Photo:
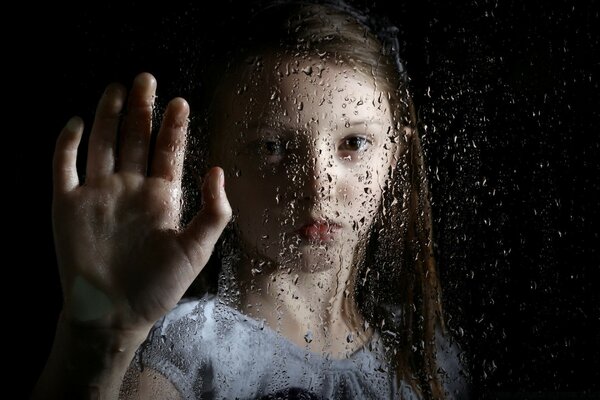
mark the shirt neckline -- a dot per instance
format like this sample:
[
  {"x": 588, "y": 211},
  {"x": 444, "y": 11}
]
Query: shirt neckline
[{"x": 374, "y": 340}]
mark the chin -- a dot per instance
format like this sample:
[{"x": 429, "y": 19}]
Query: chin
[
  {"x": 297, "y": 254},
  {"x": 310, "y": 258}
]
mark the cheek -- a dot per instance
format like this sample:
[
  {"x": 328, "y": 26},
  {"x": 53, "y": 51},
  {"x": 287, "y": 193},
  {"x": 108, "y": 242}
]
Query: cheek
[
  {"x": 358, "y": 205},
  {"x": 248, "y": 196},
  {"x": 360, "y": 192},
  {"x": 364, "y": 196},
  {"x": 255, "y": 202}
]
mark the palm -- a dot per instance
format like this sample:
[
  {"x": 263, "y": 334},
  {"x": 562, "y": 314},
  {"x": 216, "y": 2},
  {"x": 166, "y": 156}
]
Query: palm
[
  {"x": 129, "y": 235},
  {"x": 119, "y": 232}
]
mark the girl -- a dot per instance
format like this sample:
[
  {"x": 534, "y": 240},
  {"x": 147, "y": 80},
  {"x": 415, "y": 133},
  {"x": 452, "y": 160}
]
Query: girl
[{"x": 327, "y": 286}]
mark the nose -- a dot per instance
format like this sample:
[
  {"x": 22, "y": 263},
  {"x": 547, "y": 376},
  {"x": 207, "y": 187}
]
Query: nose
[{"x": 318, "y": 178}]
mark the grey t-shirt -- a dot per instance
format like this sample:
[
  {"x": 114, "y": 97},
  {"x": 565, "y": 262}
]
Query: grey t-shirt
[{"x": 209, "y": 350}]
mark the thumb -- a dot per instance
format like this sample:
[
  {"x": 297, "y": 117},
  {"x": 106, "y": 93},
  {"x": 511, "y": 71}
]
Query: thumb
[{"x": 199, "y": 237}]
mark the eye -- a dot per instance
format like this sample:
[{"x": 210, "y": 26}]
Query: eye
[
  {"x": 273, "y": 147},
  {"x": 355, "y": 143}
]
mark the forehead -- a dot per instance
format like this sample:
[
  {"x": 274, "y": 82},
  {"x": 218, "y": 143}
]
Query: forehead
[{"x": 303, "y": 91}]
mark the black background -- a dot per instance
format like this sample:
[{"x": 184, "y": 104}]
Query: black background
[{"x": 508, "y": 91}]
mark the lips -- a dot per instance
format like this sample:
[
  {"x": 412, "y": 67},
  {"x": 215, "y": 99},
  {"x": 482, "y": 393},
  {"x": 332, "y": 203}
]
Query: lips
[{"x": 319, "y": 231}]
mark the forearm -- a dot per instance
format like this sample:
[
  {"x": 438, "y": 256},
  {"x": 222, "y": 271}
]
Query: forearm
[{"x": 87, "y": 363}]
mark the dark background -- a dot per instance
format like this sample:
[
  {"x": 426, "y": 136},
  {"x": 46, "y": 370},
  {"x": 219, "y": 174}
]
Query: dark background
[{"x": 508, "y": 92}]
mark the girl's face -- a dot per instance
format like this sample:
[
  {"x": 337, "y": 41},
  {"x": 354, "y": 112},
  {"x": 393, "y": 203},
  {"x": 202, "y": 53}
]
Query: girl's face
[{"x": 307, "y": 147}]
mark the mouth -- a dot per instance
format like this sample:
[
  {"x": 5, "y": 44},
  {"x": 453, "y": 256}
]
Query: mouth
[{"x": 319, "y": 231}]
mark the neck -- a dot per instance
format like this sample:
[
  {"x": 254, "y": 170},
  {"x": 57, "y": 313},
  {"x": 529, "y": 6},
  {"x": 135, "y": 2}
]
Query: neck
[{"x": 312, "y": 309}]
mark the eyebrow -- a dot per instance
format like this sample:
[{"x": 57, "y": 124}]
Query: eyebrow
[{"x": 363, "y": 122}]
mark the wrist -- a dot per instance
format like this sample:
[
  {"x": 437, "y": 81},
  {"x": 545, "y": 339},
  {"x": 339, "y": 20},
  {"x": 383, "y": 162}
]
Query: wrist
[
  {"x": 87, "y": 361},
  {"x": 95, "y": 355},
  {"x": 101, "y": 341}
]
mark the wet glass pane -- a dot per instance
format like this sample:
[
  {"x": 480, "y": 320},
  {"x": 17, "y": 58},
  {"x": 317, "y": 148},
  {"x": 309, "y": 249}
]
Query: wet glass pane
[{"x": 502, "y": 141}]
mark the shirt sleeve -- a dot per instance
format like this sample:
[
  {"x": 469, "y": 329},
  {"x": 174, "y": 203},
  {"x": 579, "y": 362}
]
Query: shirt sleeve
[{"x": 174, "y": 349}]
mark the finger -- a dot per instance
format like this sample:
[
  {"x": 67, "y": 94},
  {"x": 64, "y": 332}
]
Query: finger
[
  {"x": 137, "y": 126},
  {"x": 200, "y": 236},
  {"x": 101, "y": 147},
  {"x": 65, "y": 156},
  {"x": 170, "y": 143}
]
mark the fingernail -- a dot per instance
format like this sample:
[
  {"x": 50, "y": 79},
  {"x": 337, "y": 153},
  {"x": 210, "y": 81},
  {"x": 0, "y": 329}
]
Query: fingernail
[
  {"x": 73, "y": 124},
  {"x": 214, "y": 184},
  {"x": 222, "y": 179},
  {"x": 111, "y": 90}
]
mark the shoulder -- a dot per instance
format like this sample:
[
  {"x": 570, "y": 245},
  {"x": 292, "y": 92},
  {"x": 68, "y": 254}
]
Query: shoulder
[
  {"x": 179, "y": 345},
  {"x": 194, "y": 321},
  {"x": 199, "y": 330},
  {"x": 203, "y": 343},
  {"x": 187, "y": 311}
]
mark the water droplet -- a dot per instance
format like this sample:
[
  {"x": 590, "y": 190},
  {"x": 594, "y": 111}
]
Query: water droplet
[
  {"x": 308, "y": 70},
  {"x": 308, "y": 337}
]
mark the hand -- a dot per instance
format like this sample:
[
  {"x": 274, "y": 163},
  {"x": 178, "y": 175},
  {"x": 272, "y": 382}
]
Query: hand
[{"x": 124, "y": 261}]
